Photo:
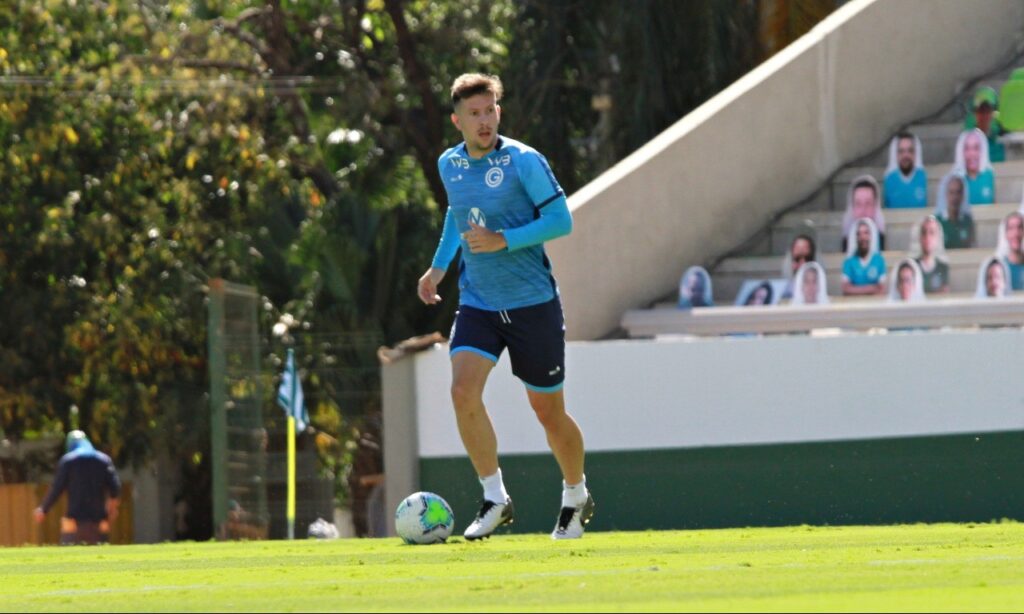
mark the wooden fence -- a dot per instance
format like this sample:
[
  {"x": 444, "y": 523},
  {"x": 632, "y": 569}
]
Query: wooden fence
[{"x": 18, "y": 528}]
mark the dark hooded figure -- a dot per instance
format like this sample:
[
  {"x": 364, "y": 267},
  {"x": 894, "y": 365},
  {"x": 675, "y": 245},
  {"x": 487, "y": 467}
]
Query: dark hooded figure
[{"x": 93, "y": 488}]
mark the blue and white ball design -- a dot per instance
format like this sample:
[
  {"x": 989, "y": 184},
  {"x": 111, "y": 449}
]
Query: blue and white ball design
[{"x": 424, "y": 518}]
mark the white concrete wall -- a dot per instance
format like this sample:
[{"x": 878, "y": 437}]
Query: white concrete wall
[
  {"x": 718, "y": 175},
  {"x": 644, "y": 394}
]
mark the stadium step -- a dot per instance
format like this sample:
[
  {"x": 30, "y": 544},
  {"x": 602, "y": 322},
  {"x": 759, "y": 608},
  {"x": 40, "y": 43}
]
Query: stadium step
[
  {"x": 1009, "y": 181},
  {"x": 826, "y": 227},
  {"x": 729, "y": 275}
]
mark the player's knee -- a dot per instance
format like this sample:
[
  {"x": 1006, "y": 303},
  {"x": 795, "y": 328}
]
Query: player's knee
[
  {"x": 548, "y": 413},
  {"x": 465, "y": 396}
]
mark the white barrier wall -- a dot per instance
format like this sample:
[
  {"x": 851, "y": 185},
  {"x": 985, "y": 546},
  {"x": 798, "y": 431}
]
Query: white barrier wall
[
  {"x": 718, "y": 175},
  {"x": 721, "y": 392},
  {"x": 643, "y": 394}
]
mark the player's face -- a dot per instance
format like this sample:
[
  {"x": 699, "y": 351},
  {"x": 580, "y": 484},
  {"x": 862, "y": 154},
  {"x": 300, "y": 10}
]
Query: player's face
[
  {"x": 905, "y": 155},
  {"x": 972, "y": 153},
  {"x": 906, "y": 283},
  {"x": 477, "y": 117},
  {"x": 994, "y": 282}
]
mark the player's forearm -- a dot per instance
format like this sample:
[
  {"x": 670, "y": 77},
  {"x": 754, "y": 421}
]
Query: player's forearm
[
  {"x": 448, "y": 245},
  {"x": 554, "y": 221}
]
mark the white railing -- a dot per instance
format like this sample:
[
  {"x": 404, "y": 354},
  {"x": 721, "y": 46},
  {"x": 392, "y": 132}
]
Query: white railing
[{"x": 955, "y": 313}]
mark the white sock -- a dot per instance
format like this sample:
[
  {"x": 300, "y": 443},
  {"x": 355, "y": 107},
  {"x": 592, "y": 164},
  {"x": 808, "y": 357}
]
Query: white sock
[
  {"x": 494, "y": 488},
  {"x": 574, "y": 495}
]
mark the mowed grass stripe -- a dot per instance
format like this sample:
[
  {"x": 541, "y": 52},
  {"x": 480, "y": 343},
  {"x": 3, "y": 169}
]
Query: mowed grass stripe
[{"x": 978, "y": 567}]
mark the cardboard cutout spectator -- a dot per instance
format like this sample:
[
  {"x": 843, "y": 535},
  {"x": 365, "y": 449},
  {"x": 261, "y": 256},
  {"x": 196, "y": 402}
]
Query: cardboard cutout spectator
[
  {"x": 906, "y": 180},
  {"x": 802, "y": 250},
  {"x": 863, "y": 199},
  {"x": 972, "y": 160},
  {"x": 864, "y": 267},
  {"x": 811, "y": 285},
  {"x": 984, "y": 116},
  {"x": 907, "y": 284},
  {"x": 1010, "y": 248},
  {"x": 761, "y": 294},
  {"x": 993, "y": 278},
  {"x": 695, "y": 288},
  {"x": 953, "y": 210},
  {"x": 928, "y": 250}
]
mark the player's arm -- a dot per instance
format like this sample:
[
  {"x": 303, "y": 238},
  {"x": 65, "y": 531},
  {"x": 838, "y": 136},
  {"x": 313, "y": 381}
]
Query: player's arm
[
  {"x": 60, "y": 482},
  {"x": 446, "y": 250},
  {"x": 113, "y": 492},
  {"x": 554, "y": 219}
]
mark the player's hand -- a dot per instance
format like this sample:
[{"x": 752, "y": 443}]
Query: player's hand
[
  {"x": 483, "y": 241},
  {"x": 427, "y": 287},
  {"x": 39, "y": 515}
]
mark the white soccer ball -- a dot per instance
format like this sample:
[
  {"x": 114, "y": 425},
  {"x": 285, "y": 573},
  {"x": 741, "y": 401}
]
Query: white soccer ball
[{"x": 424, "y": 518}]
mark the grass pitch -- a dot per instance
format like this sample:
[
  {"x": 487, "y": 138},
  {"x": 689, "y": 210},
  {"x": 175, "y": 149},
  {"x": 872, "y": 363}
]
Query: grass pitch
[{"x": 919, "y": 567}]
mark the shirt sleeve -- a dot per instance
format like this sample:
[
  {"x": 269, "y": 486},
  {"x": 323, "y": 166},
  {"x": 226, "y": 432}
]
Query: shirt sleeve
[
  {"x": 60, "y": 482},
  {"x": 554, "y": 221},
  {"x": 449, "y": 244},
  {"x": 547, "y": 196},
  {"x": 537, "y": 179}
]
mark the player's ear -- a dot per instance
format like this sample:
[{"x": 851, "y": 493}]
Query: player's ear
[
  {"x": 455, "y": 122},
  {"x": 497, "y": 111}
]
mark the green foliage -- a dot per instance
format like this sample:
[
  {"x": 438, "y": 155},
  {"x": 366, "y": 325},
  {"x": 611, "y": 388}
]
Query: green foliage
[{"x": 146, "y": 147}]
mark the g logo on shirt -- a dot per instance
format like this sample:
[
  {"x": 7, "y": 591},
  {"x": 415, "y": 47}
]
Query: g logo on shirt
[
  {"x": 494, "y": 177},
  {"x": 477, "y": 217}
]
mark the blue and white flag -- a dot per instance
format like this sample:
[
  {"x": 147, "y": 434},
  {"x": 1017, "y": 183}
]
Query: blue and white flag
[{"x": 289, "y": 395}]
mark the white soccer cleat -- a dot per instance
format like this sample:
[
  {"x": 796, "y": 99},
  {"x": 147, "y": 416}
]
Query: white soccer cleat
[
  {"x": 571, "y": 520},
  {"x": 491, "y": 516}
]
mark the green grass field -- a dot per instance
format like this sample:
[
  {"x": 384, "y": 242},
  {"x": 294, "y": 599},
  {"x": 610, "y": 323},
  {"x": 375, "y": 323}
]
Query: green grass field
[{"x": 918, "y": 567}]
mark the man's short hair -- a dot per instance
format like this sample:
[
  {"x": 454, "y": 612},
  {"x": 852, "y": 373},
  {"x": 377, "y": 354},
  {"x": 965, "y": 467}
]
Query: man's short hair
[
  {"x": 471, "y": 84},
  {"x": 906, "y": 135},
  {"x": 864, "y": 183}
]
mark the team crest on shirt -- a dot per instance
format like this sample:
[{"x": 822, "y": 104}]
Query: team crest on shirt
[
  {"x": 494, "y": 177},
  {"x": 477, "y": 217}
]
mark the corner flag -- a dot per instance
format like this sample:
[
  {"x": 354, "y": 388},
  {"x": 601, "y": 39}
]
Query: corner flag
[{"x": 289, "y": 395}]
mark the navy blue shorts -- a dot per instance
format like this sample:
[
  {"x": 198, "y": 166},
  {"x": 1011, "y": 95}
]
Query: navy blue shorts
[{"x": 534, "y": 336}]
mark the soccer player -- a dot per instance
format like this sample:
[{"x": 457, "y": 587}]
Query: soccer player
[
  {"x": 503, "y": 204},
  {"x": 93, "y": 489}
]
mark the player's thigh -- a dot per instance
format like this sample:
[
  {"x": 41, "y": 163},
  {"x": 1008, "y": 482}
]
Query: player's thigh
[
  {"x": 476, "y": 345},
  {"x": 536, "y": 346},
  {"x": 469, "y": 375}
]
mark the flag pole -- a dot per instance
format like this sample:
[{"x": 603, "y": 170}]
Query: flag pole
[
  {"x": 291, "y": 477},
  {"x": 290, "y": 512}
]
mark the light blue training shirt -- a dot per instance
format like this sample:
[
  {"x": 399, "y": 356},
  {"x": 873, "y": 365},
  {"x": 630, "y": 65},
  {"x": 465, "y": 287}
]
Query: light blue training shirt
[
  {"x": 512, "y": 190},
  {"x": 906, "y": 192}
]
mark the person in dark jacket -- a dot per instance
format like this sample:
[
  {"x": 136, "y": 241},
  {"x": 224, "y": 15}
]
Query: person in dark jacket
[{"x": 93, "y": 488}]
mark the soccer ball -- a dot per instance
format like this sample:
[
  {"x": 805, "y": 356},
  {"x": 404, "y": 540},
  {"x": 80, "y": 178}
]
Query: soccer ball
[{"x": 424, "y": 518}]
